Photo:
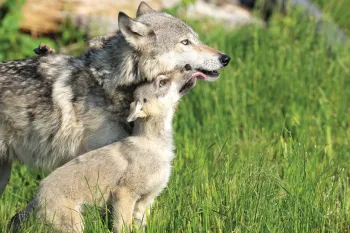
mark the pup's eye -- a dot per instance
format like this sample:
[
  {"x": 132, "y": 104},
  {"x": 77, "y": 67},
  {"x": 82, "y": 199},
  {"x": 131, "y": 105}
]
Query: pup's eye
[
  {"x": 163, "y": 82},
  {"x": 185, "y": 42}
]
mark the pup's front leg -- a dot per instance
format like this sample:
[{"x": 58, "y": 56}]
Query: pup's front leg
[
  {"x": 5, "y": 173},
  {"x": 123, "y": 206},
  {"x": 140, "y": 209}
]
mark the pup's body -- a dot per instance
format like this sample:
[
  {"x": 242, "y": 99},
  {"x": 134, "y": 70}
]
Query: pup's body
[
  {"x": 56, "y": 107},
  {"x": 129, "y": 174}
]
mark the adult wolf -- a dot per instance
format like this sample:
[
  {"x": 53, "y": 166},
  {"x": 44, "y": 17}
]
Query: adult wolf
[{"x": 56, "y": 107}]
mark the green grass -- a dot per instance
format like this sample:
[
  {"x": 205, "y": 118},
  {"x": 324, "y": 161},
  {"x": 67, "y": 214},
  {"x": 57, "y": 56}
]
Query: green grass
[
  {"x": 337, "y": 11},
  {"x": 263, "y": 149}
]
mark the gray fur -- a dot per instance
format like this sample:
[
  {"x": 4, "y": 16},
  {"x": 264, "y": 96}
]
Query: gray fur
[
  {"x": 56, "y": 107},
  {"x": 132, "y": 172}
]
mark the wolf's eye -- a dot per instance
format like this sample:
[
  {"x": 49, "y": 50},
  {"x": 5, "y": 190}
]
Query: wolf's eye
[
  {"x": 185, "y": 42},
  {"x": 163, "y": 82}
]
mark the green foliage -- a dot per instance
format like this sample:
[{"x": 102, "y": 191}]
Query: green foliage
[
  {"x": 71, "y": 39},
  {"x": 337, "y": 11},
  {"x": 263, "y": 149},
  {"x": 13, "y": 43}
]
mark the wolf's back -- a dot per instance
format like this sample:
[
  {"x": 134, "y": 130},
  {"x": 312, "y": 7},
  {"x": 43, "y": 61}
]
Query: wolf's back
[
  {"x": 23, "y": 92},
  {"x": 27, "y": 113}
]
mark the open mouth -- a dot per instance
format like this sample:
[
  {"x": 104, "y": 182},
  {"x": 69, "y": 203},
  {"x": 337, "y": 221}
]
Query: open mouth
[
  {"x": 209, "y": 75},
  {"x": 188, "y": 85},
  {"x": 191, "y": 82}
]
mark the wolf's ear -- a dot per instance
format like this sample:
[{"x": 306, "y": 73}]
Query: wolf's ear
[
  {"x": 136, "y": 33},
  {"x": 135, "y": 111},
  {"x": 144, "y": 8}
]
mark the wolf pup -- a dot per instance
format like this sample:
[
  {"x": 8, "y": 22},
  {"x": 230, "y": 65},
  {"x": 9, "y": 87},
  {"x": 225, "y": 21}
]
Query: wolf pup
[
  {"x": 56, "y": 107},
  {"x": 132, "y": 172}
]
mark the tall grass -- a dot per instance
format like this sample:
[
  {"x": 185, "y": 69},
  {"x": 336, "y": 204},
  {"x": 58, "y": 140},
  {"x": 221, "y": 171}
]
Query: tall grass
[
  {"x": 263, "y": 149},
  {"x": 337, "y": 11}
]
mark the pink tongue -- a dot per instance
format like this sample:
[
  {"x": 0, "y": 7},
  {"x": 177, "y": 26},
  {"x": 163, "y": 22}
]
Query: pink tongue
[{"x": 199, "y": 75}]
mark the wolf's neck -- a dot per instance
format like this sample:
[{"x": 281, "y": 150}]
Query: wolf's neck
[
  {"x": 159, "y": 129},
  {"x": 117, "y": 64}
]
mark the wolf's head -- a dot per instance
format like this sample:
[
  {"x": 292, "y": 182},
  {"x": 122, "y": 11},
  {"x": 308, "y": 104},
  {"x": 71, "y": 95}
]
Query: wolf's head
[
  {"x": 165, "y": 43},
  {"x": 152, "y": 44}
]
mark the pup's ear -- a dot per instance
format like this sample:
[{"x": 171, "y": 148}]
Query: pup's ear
[
  {"x": 144, "y": 8},
  {"x": 136, "y": 33},
  {"x": 135, "y": 111}
]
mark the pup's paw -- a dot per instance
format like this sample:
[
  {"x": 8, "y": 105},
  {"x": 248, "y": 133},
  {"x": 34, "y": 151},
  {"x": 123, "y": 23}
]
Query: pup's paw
[{"x": 44, "y": 49}]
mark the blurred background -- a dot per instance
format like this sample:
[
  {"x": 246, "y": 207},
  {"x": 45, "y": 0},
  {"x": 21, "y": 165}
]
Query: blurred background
[
  {"x": 266, "y": 148},
  {"x": 65, "y": 24}
]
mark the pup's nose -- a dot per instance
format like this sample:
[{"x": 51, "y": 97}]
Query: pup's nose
[
  {"x": 188, "y": 67},
  {"x": 224, "y": 59}
]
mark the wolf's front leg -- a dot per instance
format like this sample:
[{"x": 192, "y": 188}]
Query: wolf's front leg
[
  {"x": 5, "y": 173},
  {"x": 123, "y": 206},
  {"x": 140, "y": 209}
]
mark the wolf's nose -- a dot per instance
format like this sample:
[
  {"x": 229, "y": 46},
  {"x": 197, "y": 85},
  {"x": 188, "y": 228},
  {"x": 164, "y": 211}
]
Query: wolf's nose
[{"x": 224, "y": 59}]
